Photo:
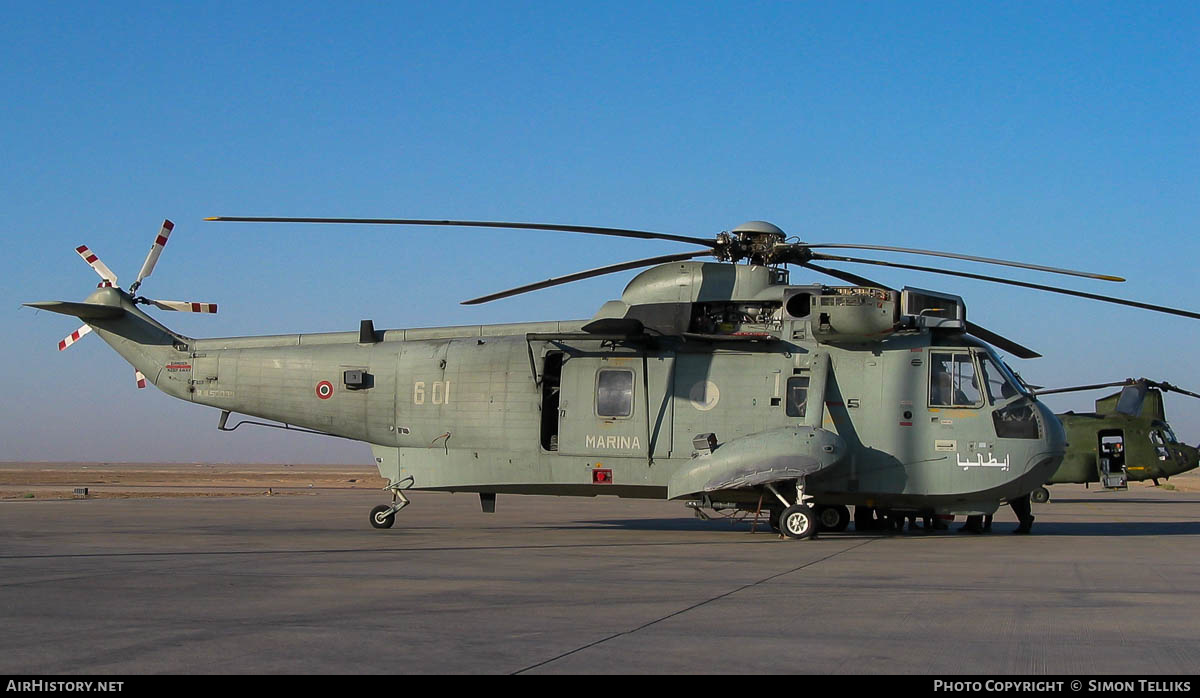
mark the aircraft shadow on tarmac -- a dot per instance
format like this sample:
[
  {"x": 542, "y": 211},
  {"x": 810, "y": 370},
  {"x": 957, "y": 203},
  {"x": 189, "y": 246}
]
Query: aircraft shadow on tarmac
[
  {"x": 1004, "y": 528},
  {"x": 1123, "y": 500}
]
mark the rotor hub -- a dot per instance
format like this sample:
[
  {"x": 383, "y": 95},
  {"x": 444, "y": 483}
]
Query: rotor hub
[{"x": 752, "y": 240}]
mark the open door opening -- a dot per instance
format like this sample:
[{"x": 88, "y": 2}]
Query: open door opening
[
  {"x": 551, "y": 387},
  {"x": 1111, "y": 461}
]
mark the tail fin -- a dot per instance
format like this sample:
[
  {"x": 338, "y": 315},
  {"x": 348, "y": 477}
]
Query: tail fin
[
  {"x": 138, "y": 338},
  {"x": 83, "y": 311}
]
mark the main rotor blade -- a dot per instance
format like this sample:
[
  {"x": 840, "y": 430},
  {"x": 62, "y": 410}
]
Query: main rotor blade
[
  {"x": 619, "y": 232},
  {"x": 155, "y": 251},
  {"x": 969, "y": 258},
  {"x": 601, "y": 271},
  {"x": 846, "y": 276},
  {"x": 1010, "y": 282},
  {"x": 983, "y": 333},
  {"x": 1004, "y": 343}
]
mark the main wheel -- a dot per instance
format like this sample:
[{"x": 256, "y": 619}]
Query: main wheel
[
  {"x": 382, "y": 516},
  {"x": 1040, "y": 496},
  {"x": 798, "y": 521},
  {"x": 833, "y": 518},
  {"x": 773, "y": 518}
]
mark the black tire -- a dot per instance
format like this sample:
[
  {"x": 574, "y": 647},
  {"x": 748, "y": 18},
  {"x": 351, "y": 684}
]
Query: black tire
[
  {"x": 378, "y": 520},
  {"x": 834, "y": 518},
  {"x": 798, "y": 521},
  {"x": 1040, "y": 496},
  {"x": 773, "y": 518}
]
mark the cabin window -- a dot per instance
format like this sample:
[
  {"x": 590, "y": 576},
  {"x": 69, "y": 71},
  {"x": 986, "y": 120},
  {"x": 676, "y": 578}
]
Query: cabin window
[
  {"x": 797, "y": 396},
  {"x": 952, "y": 380},
  {"x": 614, "y": 392}
]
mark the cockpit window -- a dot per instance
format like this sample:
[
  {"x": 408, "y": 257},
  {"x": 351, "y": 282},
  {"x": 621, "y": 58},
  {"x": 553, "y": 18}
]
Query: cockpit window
[
  {"x": 1000, "y": 385},
  {"x": 1159, "y": 441},
  {"x": 953, "y": 381}
]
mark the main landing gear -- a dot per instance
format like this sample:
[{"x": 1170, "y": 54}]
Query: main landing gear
[
  {"x": 797, "y": 520},
  {"x": 384, "y": 515}
]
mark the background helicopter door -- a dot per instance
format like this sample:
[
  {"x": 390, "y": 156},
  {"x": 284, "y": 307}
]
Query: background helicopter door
[
  {"x": 1111, "y": 462},
  {"x": 615, "y": 405}
]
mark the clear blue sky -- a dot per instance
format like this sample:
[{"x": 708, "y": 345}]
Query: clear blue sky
[{"x": 1057, "y": 133}]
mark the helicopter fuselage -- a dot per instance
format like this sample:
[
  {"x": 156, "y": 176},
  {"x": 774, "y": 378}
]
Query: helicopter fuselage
[
  {"x": 1141, "y": 447},
  {"x": 714, "y": 383}
]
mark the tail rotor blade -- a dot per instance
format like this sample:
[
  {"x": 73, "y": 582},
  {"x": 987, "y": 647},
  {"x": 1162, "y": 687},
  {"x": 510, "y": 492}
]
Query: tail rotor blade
[
  {"x": 94, "y": 262},
  {"x": 184, "y": 306},
  {"x": 155, "y": 251},
  {"x": 74, "y": 337}
]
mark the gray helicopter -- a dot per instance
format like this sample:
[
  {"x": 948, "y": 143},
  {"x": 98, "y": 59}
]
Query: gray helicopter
[{"x": 719, "y": 384}]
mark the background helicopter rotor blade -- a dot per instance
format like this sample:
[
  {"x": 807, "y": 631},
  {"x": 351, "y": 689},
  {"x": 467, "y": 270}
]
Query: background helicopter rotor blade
[
  {"x": 969, "y": 258},
  {"x": 160, "y": 241},
  {"x": 1081, "y": 388},
  {"x": 600, "y": 271},
  {"x": 595, "y": 230},
  {"x": 1011, "y": 282},
  {"x": 1165, "y": 387}
]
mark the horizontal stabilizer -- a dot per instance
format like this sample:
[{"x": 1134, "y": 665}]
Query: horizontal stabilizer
[{"x": 84, "y": 311}]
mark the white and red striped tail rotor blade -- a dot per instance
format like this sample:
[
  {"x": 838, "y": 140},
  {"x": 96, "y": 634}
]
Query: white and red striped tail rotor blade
[
  {"x": 155, "y": 251},
  {"x": 73, "y": 337},
  {"x": 94, "y": 262},
  {"x": 140, "y": 378},
  {"x": 186, "y": 307}
]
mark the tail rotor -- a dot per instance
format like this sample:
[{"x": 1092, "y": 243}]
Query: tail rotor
[{"x": 109, "y": 280}]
